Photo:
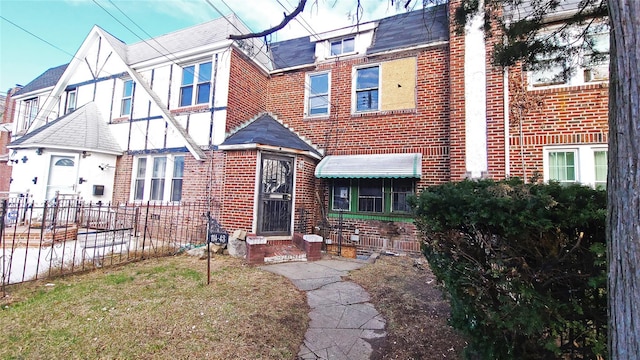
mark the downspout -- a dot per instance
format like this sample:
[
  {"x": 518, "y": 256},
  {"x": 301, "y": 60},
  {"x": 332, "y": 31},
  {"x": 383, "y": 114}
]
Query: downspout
[{"x": 505, "y": 87}]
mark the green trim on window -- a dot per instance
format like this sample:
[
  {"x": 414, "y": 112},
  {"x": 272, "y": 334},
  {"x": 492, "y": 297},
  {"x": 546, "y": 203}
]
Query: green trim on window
[{"x": 360, "y": 216}]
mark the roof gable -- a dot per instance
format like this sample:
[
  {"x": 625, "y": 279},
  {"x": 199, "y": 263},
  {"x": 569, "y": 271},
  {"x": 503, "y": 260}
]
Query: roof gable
[
  {"x": 83, "y": 129},
  {"x": 265, "y": 130}
]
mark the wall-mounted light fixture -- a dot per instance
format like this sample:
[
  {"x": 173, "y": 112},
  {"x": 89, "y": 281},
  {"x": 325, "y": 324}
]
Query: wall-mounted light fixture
[
  {"x": 105, "y": 166},
  {"x": 35, "y": 180},
  {"x": 14, "y": 161},
  {"x": 85, "y": 154},
  {"x": 39, "y": 151},
  {"x": 24, "y": 159},
  {"x": 82, "y": 180}
]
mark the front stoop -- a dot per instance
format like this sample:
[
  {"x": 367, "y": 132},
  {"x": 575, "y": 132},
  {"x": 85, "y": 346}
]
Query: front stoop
[{"x": 283, "y": 253}]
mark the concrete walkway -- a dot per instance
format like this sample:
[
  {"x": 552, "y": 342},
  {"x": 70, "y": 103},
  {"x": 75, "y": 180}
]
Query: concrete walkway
[{"x": 344, "y": 325}]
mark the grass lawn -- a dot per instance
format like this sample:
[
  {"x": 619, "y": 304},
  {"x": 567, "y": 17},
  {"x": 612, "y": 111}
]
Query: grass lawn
[{"x": 156, "y": 309}]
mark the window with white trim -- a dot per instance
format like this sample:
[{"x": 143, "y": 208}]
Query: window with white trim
[
  {"x": 367, "y": 84},
  {"x": 151, "y": 182},
  {"x": 71, "y": 100},
  {"x": 30, "y": 113},
  {"x": 562, "y": 166},
  {"x": 127, "y": 95},
  {"x": 317, "y": 94},
  {"x": 595, "y": 59},
  {"x": 585, "y": 164},
  {"x": 195, "y": 92},
  {"x": 343, "y": 46}
]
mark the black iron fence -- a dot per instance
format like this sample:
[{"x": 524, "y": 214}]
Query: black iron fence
[{"x": 67, "y": 235}]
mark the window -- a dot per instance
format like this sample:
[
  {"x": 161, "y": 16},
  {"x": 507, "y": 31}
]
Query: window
[
  {"x": 596, "y": 56},
  {"x": 562, "y": 166},
  {"x": 367, "y": 85},
  {"x": 127, "y": 94},
  {"x": 201, "y": 72},
  {"x": 176, "y": 182},
  {"x": 370, "y": 195},
  {"x": 401, "y": 189},
  {"x": 30, "y": 112},
  {"x": 64, "y": 162},
  {"x": 318, "y": 94},
  {"x": 140, "y": 179},
  {"x": 157, "y": 178},
  {"x": 600, "y": 169},
  {"x": 71, "y": 100},
  {"x": 342, "y": 46},
  {"x": 341, "y": 196},
  {"x": 150, "y": 182}
]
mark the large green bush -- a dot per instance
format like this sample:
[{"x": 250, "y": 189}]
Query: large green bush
[{"x": 523, "y": 265}]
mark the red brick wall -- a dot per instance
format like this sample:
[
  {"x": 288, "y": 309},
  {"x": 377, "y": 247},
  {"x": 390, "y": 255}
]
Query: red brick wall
[
  {"x": 247, "y": 91},
  {"x": 305, "y": 193},
  {"x": 457, "y": 114},
  {"x": 423, "y": 130},
  {"x": 568, "y": 115},
  {"x": 238, "y": 190},
  {"x": 122, "y": 181},
  {"x": 5, "y": 138},
  {"x": 496, "y": 137}
]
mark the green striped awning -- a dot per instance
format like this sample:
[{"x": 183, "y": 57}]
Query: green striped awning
[{"x": 370, "y": 166}]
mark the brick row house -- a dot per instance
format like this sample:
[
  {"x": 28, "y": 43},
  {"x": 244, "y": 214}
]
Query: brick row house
[{"x": 328, "y": 133}]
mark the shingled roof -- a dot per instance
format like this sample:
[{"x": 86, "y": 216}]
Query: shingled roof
[
  {"x": 265, "y": 130},
  {"x": 425, "y": 26},
  {"x": 82, "y": 130},
  {"x": 45, "y": 80}
]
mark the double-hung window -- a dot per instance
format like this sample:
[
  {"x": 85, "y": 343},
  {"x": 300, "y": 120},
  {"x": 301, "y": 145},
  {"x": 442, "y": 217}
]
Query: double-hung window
[
  {"x": 342, "y": 46},
  {"x": 30, "y": 112},
  {"x": 127, "y": 95},
  {"x": 401, "y": 189},
  {"x": 600, "y": 168},
  {"x": 192, "y": 91},
  {"x": 150, "y": 181},
  {"x": 318, "y": 94},
  {"x": 341, "y": 196},
  {"x": 370, "y": 196},
  {"x": 367, "y": 84},
  {"x": 71, "y": 100},
  {"x": 596, "y": 56},
  {"x": 562, "y": 166}
]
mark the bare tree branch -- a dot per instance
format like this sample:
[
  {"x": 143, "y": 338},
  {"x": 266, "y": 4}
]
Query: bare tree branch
[{"x": 285, "y": 21}]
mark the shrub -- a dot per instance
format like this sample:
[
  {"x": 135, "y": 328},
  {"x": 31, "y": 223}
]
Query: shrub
[{"x": 523, "y": 265}]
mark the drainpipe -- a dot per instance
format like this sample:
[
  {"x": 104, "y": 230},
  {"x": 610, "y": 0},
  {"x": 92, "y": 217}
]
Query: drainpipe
[{"x": 505, "y": 87}]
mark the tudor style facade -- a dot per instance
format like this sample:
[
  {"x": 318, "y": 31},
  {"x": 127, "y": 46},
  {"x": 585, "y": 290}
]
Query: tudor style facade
[{"x": 324, "y": 132}]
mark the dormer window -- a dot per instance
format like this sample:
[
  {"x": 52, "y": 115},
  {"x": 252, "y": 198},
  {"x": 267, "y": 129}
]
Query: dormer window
[
  {"x": 71, "y": 100},
  {"x": 342, "y": 46}
]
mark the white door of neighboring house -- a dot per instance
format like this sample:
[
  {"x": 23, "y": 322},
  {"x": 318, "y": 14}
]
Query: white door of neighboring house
[{"x": 62, "y": 176}]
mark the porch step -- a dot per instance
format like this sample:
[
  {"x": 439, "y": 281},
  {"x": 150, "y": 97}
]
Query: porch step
[{"x": 278, "y": 253}]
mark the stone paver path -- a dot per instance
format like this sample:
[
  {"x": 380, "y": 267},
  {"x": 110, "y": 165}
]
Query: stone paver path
[{"x": 344, "y": 325}]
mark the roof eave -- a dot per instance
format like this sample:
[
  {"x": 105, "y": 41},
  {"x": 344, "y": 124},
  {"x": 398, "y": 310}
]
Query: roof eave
[{"x": 256, "y": 146}]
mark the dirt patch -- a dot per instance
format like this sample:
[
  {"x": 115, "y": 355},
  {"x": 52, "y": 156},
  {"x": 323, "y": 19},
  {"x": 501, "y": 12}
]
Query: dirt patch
[{"x": 405, "y": 292}]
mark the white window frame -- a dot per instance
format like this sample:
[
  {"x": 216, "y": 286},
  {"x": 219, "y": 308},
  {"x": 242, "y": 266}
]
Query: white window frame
[
  {"x": 72, "y": 100},
  {"x": 195, "y": 84},
  {"x": 147, "y": 178},
  {"x": 355, "y": 90},
  {"x": 29, "y": 116},
  {"x": 308, "y": 94},
  {"x": 126, "y": 110},
  {"x": 341, "y": 41},
  {"x": 598, "y": 70},
  {"x": 576, "y": 165},
  {"x": 584, "y": 156}
]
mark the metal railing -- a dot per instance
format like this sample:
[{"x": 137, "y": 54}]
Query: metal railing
[{"x": 66, "y": 236}]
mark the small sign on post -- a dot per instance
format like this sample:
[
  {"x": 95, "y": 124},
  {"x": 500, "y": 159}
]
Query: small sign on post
[{"x": 215, "y": 235}]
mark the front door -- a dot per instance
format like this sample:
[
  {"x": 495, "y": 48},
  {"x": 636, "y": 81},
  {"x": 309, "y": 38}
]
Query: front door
[
  {"x": 62, "y": 176},
  {"x": 276, "y": 195}
]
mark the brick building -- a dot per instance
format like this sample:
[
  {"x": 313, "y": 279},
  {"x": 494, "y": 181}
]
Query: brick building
[{"x": 326, "y": 133}]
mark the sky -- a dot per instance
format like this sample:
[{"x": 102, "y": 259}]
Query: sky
[{"x": 36, "y": 35}]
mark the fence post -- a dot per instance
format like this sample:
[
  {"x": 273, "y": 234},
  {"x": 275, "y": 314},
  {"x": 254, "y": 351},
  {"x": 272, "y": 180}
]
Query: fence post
[
  {"x": 146, "y": 223},
  {"x": 3, "y": 213}
]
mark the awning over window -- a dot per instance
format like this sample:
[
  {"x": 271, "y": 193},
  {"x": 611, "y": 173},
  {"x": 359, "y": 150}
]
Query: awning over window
[{"x": 370, "y": 166}]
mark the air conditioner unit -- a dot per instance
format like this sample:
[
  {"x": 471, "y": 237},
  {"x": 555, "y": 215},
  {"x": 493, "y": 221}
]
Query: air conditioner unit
[{"x": 599, "y": 73}]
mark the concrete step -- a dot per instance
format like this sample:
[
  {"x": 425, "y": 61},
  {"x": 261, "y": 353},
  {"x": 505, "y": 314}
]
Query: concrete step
[{"x": 281, "y": 253}]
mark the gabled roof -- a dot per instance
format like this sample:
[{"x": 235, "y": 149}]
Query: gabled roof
[
  {"x": 265, "y": 130},
  {"x": 420, "y": 27},
  {"x": 83, "y": 129},
  {"x": 424, "y": 26},
  {"x": 45, "y": 80},
  {"x": 189, "y": 38}
]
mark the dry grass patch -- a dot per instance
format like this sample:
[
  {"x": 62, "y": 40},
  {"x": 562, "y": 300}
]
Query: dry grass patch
[
  {"x": 404, "y": 290},
  {"x": 156, "y": 309}
]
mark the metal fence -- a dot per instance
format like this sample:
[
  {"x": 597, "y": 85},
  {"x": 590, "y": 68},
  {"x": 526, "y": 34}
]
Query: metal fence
[{"x": 67, "y": 235}]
